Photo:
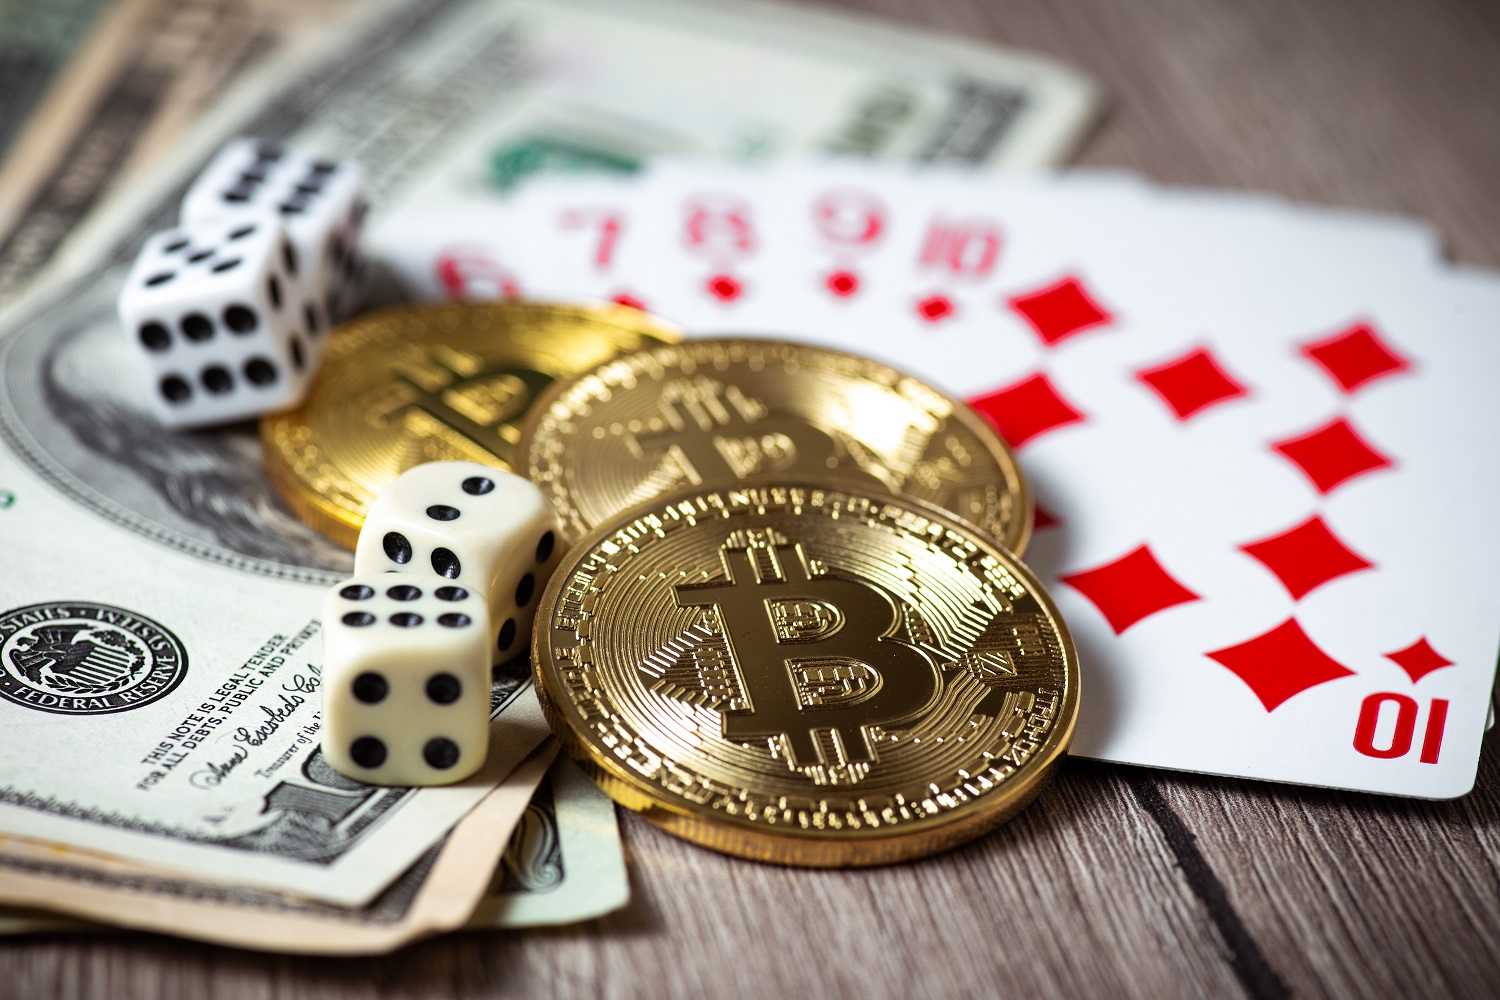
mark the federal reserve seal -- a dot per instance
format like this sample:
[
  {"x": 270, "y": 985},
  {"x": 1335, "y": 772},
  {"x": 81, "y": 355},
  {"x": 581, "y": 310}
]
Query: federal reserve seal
[{"x": 78, "y": 658}]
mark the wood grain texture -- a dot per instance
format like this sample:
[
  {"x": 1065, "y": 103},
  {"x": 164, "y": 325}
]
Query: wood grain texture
[
  {"x": 1377, "y": 104},
  {"x": 1118, "y": 881}
]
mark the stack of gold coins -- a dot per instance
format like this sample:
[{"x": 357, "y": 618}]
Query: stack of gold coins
[{"x": 793, "y": 624}]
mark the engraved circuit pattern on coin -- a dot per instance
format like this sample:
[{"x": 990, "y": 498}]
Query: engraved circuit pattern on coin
[
  {"x": 415, "y": 384},
  {"x": 806, "y": 676},
  {"x": 737, "y": 409}
]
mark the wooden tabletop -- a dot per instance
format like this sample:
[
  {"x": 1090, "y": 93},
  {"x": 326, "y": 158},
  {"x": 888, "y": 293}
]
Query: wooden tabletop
[{"x": 1117, "y": 881}]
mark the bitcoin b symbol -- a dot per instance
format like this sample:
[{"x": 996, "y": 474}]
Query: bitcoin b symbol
[
  {"x": 816, "y": 653},
  {"x": 448, "y": 400},
  {"x": 715, "y": 432}
]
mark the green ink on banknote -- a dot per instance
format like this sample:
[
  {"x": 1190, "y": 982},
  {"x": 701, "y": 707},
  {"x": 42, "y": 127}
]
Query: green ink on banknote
[
  {"x": 877, "y": 120},
  {"x": 528, "y": 155}
]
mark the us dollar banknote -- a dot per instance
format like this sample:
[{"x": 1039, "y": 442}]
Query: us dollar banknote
[
  {"x": 562, "y": 864},
  {"x": 437, "y": 893},
  {"x": 571, "y": 85},
  {"x": 159, "y": 708},
  {"x": 40, "y": 36},
  {"x": 142, "y": 74}
]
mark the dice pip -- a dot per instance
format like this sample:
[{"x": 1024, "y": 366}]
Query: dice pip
[
  {"x": 212, "y": 315},
  {"x": 406, "y": 679},
  {"x": 321, "y": 203},
  {"x": 472, "y": 524}
]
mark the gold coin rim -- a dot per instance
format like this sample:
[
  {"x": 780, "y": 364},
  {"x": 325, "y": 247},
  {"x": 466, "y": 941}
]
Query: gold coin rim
[
  {"x": 330, "y": 519},
  {"x": 813, "y": 849},
  {"x": 1018, "y": 535}
]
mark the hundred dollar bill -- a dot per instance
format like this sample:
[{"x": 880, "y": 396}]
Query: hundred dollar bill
[
  {"x": 160, "y": 696},
  {"x": 620, "y": 82},
  {"x": 144, "y": 72},
  {"x": 564, "y": 862},
  {"x": 473, "y": 95},
  {"x": 160, "y": 707},
  {"x": 159, "y": 652},
  {"x": 39, "y": 36},
  {"x": 435, "y": 894}
]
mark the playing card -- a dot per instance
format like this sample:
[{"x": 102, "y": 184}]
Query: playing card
[
  {"x": 1246, "y": 423},
  {"x": 1290, "y": 579}
]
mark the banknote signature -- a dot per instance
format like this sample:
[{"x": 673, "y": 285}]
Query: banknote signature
[
  {"x": 214, "y": 774},
  {"x": 294, "y": 694}
]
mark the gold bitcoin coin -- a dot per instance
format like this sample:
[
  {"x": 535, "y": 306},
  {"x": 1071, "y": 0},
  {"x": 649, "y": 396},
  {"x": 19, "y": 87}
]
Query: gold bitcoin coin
[
  {"x": 415, "y": 384},
  {"x": 804, "y": 675},
  {"x": 742, "y": 410}
]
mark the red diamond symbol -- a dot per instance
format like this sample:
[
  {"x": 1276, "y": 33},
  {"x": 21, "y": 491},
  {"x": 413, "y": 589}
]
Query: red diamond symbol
[
  {"x": 1060, "y": 310},
  {"x": 1129, "y": 589},
  {"x": 843, "y": 283},
  {"x": 626, "y": 299},
  {"x": 1191, "y": 383},
  {"x": 1280, "y": 664},
  {"x": 1043, "y": 518},
  {"x": 1306, "y": 557},
  {"x": 724, "y": 288},
  {"x": 1025, "y": 409},
  {"x": 934, "y": 308},
  {"x": 1331, "y": 454},
  {"x": 1419, "y": 659},
  {"x": 1355, "y": 356}
]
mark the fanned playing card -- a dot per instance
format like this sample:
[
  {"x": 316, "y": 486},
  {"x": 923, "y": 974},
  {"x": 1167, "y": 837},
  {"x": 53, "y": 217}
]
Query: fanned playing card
[{"x": 1256, "y": 432}]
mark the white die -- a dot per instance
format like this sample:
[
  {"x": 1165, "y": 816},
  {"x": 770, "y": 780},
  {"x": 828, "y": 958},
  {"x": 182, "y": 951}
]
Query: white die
[
  {"x": 470, "y": 523},
  {"x": 406, "y": 679},
  {"x": 210, "y": 314},
  {"x": 321, "y": 202}
]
